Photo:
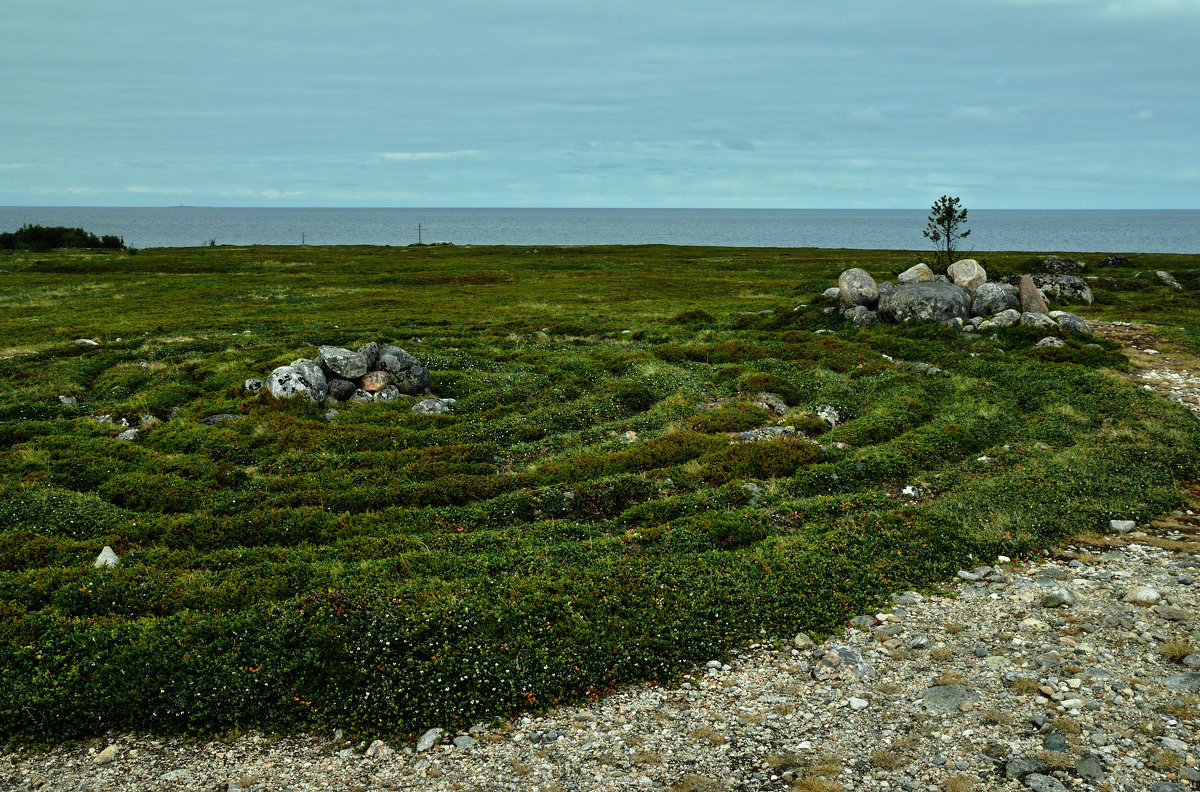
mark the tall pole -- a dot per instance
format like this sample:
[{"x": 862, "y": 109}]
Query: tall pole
[{"x": 418, "y": 233}]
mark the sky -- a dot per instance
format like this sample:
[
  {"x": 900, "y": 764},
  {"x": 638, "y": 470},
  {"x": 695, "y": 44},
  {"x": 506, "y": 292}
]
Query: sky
[{"x": 1007, "y": 104}]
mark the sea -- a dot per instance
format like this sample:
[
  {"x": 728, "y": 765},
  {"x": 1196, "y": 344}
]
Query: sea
[{"x": 1043, "y": 231}]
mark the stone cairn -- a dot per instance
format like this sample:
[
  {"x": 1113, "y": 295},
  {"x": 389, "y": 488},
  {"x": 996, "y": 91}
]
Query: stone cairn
[
  {"x": 369, "y": 374},
  {"x": 964, "y": 297}
]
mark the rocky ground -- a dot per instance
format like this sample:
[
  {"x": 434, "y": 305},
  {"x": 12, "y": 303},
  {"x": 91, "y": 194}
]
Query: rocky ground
[{"x": 1071, "y": 672}]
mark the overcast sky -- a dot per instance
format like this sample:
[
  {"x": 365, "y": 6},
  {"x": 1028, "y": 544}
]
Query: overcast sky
[{"x": 605, "y": 103}]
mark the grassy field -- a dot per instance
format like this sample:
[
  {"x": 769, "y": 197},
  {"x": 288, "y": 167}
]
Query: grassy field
[{"x": 581, "y": 520}]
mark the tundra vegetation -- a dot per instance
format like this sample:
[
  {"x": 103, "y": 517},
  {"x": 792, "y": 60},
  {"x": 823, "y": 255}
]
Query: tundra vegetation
[{"x": 582, "y": 518}]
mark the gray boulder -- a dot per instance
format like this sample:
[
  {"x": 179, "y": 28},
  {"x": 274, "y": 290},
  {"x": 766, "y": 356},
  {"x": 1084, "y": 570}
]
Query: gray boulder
[
  {"x": 361, "y": 396},
  {"x": 1006, "y": 318},
  {"x": 1062, "y": 266},
  {"x": 927, "y": 302},
  {"x": 832, "y": 293},
  {"x": 861, "y": 316},
  {"x": 390, "y": 393},
  {"x": 885, "y": 288},
  {"x": 1069, "y": 322},
  {"x": 1030, "y": 319},
  {"x": 431, "y": 407},
  {"x": 967, "y": 273},
  {"x": 918, "y": 273},
  {"x": 1064, "y": 288},
  {"x": 1049, "y": 341},
  {"x": 404, "y": 370},
  {"x": 992, "y": 298},
  {"x": 340, "y": 362},
  {"x": 341, "y": 389},
  {"x": 370, "y": 353},
  {"x": 288, "y": 381},
  {"x": 857, "y": 287}
]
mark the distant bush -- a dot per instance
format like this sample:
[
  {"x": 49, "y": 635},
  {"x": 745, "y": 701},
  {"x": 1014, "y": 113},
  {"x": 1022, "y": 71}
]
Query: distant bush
[{"x": 43, "y": 238}]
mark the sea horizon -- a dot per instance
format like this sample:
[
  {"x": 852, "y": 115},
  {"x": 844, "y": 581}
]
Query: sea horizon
[{"x": 1034, "y": 230}]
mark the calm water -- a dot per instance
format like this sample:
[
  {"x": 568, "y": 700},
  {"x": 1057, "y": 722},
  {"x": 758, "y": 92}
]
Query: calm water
[{"x": 1050, "y": 231}]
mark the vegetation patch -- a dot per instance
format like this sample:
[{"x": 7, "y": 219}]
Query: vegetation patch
[{"x": 584, "y": 517}]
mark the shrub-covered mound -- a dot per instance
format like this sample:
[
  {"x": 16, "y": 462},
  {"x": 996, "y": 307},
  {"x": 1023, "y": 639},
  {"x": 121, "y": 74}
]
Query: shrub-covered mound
[{"x": 581, "y": 520}]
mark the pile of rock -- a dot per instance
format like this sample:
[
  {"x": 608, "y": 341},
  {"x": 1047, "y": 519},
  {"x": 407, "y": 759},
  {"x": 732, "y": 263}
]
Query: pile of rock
[
  {"x": 370, "y": 373},
  {"x": 963, "y": 297}
]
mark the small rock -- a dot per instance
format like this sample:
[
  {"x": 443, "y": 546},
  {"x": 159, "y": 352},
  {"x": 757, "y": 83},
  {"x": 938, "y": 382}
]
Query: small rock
[
  {"x": 947, "y": 698},
  {"x": 1049, "y": 341},
  {"x": 464, "y": 742},
  {"x": 802, "y": 642},
  {"x": 919, "y": 273},
  {"x": 1058, "y": 598},
  {"x": 106, "y": 756},
  {"x": 107, "y": 558},
  {"x": 86, "y": 342},
  {"x": 858, "y": 704},
  {"x": 431, "y": 407},
  {"x": 1090, "y": 768},
  {"x": 1121, "y": 526},
  {"x": 68, "y": 400},
  {"x": 1043, "y": 783},
  {"x": 1142, "y": 595},
  {"x": 253, "y": 385},
  {"x": 378, "y": 749},
  {"x": 129, "y": 435},
  {"x": 1020, "y": 766},
  {"x": 429, "y": 739}
]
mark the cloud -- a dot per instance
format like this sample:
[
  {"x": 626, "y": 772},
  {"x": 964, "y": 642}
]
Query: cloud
[
  {"x": 424, "y": 156},
  {"x": 985, "y": 114}
]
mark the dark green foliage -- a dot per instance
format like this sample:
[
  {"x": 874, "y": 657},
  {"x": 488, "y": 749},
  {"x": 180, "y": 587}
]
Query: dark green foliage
[
  {"x": 44, "y": 238},
  {"x": 580, "y": 520}
]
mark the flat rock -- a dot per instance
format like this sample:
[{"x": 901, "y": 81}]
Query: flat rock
[
  {"x": 106, "y": 756},
  {"x": 1061, "y": 265},
  {"x": 1142, "y": 595},
  {"x": 947, "y": 698},
  {"x": 841, "y": 662},
  {"x": 431, "y": 407},
  {"x": 1184, "y": 680},
  {"x": 1043, "y": 783}
]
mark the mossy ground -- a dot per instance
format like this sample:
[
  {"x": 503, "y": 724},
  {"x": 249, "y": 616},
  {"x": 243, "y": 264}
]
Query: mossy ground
[{"x": 385, "y": 572}]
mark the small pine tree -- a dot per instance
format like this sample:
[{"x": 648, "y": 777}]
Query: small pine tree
[{"x": 946, "y": 227}]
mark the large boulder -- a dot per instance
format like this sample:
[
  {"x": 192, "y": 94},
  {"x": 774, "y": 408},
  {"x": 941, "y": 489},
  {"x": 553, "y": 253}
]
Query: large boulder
[
  {"x": 928, "y": 302},
  {"x": 967, "y": 273},
  {"x": 404, "y": 370},
  {"x": 1063, "y": 288},
  {"x": 340, "y": 362},
  {"x": 990, "y": 299},
  {"x": 857, "y": 287},
  {"x": 1062, "y": 266},
  {"x": 295, "y": 380},
  {"x": 1031, "y": 299},
  {"x": 918, "y": 273}
]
